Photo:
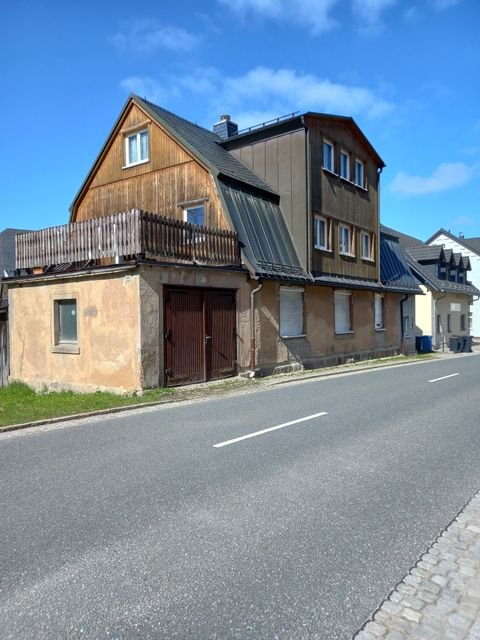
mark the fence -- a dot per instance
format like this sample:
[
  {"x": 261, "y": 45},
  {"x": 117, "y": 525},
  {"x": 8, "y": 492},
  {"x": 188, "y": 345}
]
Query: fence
[{"x": 130, "y": 234}]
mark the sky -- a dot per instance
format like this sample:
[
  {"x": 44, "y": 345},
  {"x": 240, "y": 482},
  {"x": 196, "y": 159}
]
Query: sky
[{"x": 408, "y": 72}]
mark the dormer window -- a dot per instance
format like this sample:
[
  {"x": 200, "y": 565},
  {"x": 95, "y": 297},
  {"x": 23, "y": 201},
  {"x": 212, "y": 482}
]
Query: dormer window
[
  {"x": 328, "y": 156},
  {"x": 136, "y": 148}
]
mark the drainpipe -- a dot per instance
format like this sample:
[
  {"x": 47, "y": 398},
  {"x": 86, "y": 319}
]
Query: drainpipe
[
  {"x": 434, "y": 324},
  {"x": 402, "y": 328},
  {"x": 252, "y": 329}
]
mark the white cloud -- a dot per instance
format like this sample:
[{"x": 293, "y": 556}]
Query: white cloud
[
  {"x": 441, "y": 5},
  {"x": 445, "y": 177},
  {"x": 148, "y": 35},
  {"x": 284, "y": 90},
  {"x": 370, "y": 13},
  {"x": 312, "y": 13},
  {"x": 263, "y": 93}
]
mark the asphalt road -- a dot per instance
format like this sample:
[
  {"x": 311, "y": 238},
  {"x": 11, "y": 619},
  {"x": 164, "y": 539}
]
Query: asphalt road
[{"x": 136, "y": 526}]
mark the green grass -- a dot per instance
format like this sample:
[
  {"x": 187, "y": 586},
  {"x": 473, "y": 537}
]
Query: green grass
[{"x": 18, "y": 403}]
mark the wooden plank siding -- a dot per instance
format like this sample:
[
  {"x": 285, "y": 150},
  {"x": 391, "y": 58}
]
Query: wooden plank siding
[
  {"x": 132, "y": 233},
  {"x": 281, "y": 162},
  {"x": 170, "y": 178},
  {"x": 342, "y": 201}
]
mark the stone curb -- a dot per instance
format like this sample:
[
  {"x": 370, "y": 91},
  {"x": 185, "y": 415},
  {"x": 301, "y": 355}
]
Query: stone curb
[
  {"x": 140, "y": 405},
  {"x": 404, "y": 595}
]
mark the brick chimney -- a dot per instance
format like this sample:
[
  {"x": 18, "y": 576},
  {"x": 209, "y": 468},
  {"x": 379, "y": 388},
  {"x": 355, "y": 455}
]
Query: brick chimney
[{"x": 225, "y": 128}]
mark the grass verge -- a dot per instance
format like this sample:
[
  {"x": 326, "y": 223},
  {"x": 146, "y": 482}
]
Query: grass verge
[{"x": 19, "y": 404}]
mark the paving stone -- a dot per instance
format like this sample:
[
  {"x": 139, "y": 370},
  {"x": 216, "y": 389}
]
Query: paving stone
[{"x": 410, "y": 614}]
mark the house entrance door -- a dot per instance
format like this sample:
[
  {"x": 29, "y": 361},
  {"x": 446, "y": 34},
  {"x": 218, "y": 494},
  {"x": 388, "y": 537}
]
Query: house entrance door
[{"x": 200, "y": 335}]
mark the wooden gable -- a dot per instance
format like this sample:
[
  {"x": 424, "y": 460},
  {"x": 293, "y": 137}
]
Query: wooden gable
[{"x": 169, "y": 180}]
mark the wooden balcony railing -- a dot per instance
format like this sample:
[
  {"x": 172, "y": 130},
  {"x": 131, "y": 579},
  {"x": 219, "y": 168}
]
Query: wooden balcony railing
[{"x": 127, "y": 235}]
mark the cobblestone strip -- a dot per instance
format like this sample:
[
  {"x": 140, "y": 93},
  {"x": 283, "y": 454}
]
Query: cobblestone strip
[{"x": 440, "y": 598}]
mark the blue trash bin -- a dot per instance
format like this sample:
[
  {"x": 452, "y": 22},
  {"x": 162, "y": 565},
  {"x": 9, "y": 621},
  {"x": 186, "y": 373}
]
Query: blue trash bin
[{"x": 426, "y": 344}]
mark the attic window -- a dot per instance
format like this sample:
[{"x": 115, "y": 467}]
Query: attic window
[{"x": 136, "y": 148}]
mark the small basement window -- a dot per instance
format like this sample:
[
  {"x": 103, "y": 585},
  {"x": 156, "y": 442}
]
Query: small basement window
[
  {"x": 136, "y": 148},
  {"x": 65, "y": 330}
]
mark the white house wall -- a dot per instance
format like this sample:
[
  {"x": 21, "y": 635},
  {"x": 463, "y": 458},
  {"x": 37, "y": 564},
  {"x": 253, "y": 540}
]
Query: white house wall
[{"x": 473, "y": 275}]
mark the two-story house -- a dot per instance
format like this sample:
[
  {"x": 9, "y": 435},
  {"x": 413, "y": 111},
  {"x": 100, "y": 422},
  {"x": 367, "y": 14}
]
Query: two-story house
[
  {"x": 469, "y": 248},
  {"x": 195, "y": 254},
  {"x": 444, "y": 276}
]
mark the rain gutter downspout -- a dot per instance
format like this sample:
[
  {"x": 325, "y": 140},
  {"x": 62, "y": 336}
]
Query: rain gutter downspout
[
  {"x": 308, "y": 196},
  {"x": 434, "y": 321},
  {"x": 402, "y": 327},
  {"x": 252, "y": 328}
]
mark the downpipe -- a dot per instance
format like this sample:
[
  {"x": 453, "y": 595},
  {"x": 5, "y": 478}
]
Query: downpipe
[
  {"x": 402, "y": 327},
  {"x": 252, "y": 329}
]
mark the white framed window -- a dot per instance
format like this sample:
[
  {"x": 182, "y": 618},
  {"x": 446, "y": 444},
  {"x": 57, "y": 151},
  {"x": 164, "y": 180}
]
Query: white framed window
[
  {"x": 344, "y": 165},
  {"x": 136, "y": 148},
  {"x": 406, "y": 326},
  {"x": 367, "y": 246},
  {"x": 64, "y": 325},
  {"x": 345, "y": 240},
  {"x": 328, "y": 156},
  {"x": 291, "y": 312},
  {"x": 343, "y": 311},
  {"x": 322, "y": 233},
  {"x": 359, "y": 173},
  {"x": 195, "y": 214},
  {"x": 378, "y": 311}
]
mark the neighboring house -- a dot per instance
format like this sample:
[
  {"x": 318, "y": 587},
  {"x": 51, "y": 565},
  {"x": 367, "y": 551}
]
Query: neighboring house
[
  {"x": 470, "y": 248},
  {"x": 444, "y": 276},
  {"x": 259, "y": 252},
  {"x": 395, "y": 272},
  {"x": 7, "y": 264}
]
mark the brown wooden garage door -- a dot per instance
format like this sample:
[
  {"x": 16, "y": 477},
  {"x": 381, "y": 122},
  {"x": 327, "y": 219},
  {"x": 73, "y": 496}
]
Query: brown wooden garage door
[{"x": 200, "y": 335}]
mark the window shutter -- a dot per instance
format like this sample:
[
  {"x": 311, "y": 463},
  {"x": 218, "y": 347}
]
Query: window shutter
[
  {"x": 291, "y": 312},
  {"x": 342, "y": 312},
  {"x": 378, "y": 311}
]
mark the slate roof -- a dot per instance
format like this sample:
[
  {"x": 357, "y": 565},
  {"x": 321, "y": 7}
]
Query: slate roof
[
  {"x": 420, "y": 261},
  {"x": 206, "y": 145},
  {"x": 472, "y": 243}
]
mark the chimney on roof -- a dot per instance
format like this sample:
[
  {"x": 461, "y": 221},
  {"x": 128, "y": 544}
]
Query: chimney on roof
[
  {"x": 461, "y": 235},
  {"x": 225, "y": 128}
]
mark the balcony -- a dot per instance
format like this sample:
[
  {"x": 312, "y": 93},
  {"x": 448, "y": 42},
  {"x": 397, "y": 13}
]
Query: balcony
[{"x": 125, "y": 237}]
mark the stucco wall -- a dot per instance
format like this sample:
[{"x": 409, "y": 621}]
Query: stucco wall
[
  {"x": 320, "y": 345},
  {"x": 443, "y": 308},
  {"x": 423, "y": 313},
  {"x": 108, "y": 328}
]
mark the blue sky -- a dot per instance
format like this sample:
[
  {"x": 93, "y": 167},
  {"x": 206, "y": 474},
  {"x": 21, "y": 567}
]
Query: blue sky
[{"x": 408, "y": 72}]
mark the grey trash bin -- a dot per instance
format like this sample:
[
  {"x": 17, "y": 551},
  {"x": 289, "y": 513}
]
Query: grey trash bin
[
  {"x": 467, "y": 344},
  {"x": 455, "y": 344}
]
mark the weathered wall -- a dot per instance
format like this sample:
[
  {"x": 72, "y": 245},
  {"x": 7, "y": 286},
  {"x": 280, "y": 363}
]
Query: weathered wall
[
  {"x": 281, "y": 162},
  {"x": 341, "y": 200},
  {"x": 153, "y": 280},
  {"x": 108, "y": 327},
  {"x": 321, "y": 346},
  {"x": 170, "y": 177}
]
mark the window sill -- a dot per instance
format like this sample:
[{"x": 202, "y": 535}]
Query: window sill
[
  {"x": 300, "y": 335},
  {"x": 346, "y": 255},
  {"x": 344, "y": 333},
  {"x": 359, "y": 186},
  {"x": 346, "y": 180},
  {"x": 380, "y": 329},
  {"x": 332, "y": 173},
  {"x": 371, "y": 260},
  {"x": 135, "y": 164},
  {"x": 65, "y": 348},
  {"x": 323, "y": 249}
]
